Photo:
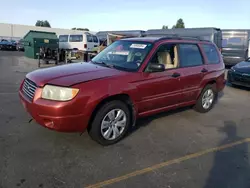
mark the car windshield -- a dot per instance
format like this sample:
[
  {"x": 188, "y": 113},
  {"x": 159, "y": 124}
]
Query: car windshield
[{"x": 124, "y": 55}]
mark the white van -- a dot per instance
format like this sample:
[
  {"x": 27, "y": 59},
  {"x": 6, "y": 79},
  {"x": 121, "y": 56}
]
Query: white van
[{"x": 83, "y": 42}]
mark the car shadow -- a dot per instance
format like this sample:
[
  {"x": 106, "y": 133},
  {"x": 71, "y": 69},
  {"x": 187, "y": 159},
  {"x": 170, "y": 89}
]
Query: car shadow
[
  {"x": 231, "y": 166},
  {"x": 143, "y": 122}
]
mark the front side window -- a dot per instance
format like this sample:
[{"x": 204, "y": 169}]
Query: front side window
[
  {"x": 63, "y": 38},
  {"x": 190, "y": 55},
  {"x": 75, "y": 38},
  {"x": 211, "y": 53},
  {"x": 124, "y": 55},
  {"x": 166, "y": 55}
]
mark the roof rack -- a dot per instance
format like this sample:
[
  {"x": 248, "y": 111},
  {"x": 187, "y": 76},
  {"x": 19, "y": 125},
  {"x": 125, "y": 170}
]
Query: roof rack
[{"x": 178, "y": 37}]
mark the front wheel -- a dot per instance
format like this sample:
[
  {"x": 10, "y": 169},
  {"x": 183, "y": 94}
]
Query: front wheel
[
  {"x": 111, "y": 123},
  {"x": 206, "y": 100}
]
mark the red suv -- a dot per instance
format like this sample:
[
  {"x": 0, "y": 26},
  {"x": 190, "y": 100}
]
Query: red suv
[{"x": 131, "y": 78}]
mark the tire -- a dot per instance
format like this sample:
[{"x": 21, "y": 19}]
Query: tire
[
  {"x": 96, "y": 131},
  {"x": 200, "y": 106}
]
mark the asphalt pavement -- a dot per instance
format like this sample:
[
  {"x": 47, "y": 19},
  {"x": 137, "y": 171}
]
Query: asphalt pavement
[{"x": 177, "y": 149}]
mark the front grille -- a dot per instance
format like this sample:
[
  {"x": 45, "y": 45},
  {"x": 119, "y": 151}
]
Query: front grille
[{"x": 29, "y": 88}]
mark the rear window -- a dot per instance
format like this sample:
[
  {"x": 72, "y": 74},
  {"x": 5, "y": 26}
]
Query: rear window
[
  {"x": 95, "y": 39},
  {"x": 89, "y": 38},
  {"x": 63, "y": 38},
  {"x": 211, "y": 53},
  {"x": 75, "y": 38},
  {"x": 232, "y": 42},
  {"x": 190, "y": 55}
]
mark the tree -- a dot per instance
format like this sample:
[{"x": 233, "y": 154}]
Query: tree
[
  {"x": 179, "y": 24},
  {"x": 80, "y": 29},
  {"x": 46, "y": 24},
  {"x": 164, "y": 27},
  {"x": 42, "y": 23},
  {"x": 39, "y": 23}
]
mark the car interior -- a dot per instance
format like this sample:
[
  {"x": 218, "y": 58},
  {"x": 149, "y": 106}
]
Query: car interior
[{"x": 167, "y": 55}]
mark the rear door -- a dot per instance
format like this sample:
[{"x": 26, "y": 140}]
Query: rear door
[
  {"x": 90, "y": 42},
  {"x": 234, "y": 45},
  {"x": 192, "y": 70},
  {"x": 76, "y": 41},
  {"x": 96, "y": 41}
]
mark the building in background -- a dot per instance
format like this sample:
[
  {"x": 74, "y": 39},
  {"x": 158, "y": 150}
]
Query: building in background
[{"x": 17, "y": 32}]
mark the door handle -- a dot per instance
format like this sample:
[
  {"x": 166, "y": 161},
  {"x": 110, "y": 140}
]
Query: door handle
[
  {"x": 204, "y": 70},
  {"x": 176, "y": 74}
]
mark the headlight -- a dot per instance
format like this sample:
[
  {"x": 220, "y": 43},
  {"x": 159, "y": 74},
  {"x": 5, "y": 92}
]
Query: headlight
[
  {"x": 59, "y": 93},
  {"x": 232, "y": 68}
]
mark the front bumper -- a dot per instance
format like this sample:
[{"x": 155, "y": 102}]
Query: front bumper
[
  {"x": 54, "y": 115},
  {"x": 238, "y": 78}
]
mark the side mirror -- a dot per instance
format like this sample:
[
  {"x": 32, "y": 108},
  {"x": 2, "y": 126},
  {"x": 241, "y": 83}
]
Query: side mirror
[{"x": 156, "y": 67}]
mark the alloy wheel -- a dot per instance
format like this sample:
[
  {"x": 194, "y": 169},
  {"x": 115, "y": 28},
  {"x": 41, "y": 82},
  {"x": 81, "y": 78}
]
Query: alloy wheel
[
  {"x": 113, "y": 124},
  {"x": 207, "y": 99}
]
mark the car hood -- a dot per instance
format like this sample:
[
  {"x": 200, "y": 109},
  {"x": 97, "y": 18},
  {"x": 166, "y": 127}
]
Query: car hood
[
  {"x": 71, "y": 74},
  {"x": 243, "y": 67}
]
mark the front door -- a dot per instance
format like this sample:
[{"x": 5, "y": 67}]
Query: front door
[{"x": 159, "y": 90}]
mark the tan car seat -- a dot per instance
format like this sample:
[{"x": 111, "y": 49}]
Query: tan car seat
[
  {"x": 165, "y": 59},
  {"x": 176, "y": 58}
]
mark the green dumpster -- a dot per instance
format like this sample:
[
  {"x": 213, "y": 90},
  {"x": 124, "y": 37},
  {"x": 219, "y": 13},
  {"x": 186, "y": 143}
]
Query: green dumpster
[{"x": 34, "y": 40}]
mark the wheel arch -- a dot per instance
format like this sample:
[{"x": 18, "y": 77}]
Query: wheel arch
[
  {"x": 121, "y": 97},
  {"x": 210, "y": 82}
]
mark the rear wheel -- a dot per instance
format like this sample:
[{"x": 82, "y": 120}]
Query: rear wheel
[
  {"x": 206, "y": 99},
  {"x": 111, "y": 123}
]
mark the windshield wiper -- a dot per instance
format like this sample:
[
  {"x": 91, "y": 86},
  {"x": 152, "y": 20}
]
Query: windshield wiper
[{"x": 103, "y": 63}]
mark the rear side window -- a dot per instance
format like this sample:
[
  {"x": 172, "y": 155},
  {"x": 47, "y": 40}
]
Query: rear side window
[
  {"x": 211, "y": 53},
  {"x": 75, "y": 38},
  {"x": 190, "y": 55},
  {"x": 95, "y": 39},
  {"x": 89, "y": 38},
  {"x": 63, "y": 38}
]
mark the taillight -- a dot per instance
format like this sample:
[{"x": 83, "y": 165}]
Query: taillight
[{"x": 85, "y": 46}]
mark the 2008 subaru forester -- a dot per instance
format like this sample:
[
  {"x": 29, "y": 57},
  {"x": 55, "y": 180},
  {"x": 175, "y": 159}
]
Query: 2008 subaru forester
[{"x": 131, "y": 78}]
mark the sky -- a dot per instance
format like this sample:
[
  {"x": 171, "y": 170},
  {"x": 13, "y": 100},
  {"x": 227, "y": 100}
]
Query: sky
[{"x": 102, "y": 15}]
